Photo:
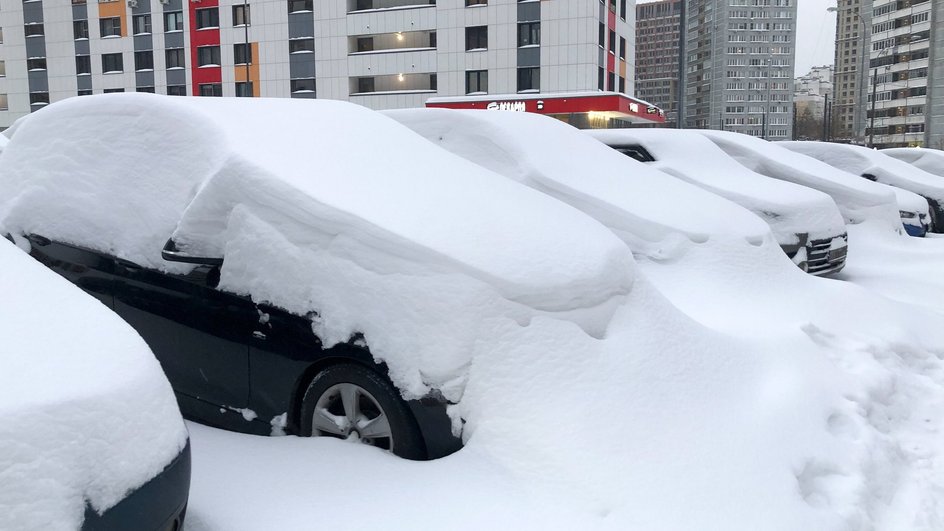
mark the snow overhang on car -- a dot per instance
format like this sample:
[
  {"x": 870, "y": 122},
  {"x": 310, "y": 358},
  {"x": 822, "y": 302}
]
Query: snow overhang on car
[{"x": 636, "y": 202}]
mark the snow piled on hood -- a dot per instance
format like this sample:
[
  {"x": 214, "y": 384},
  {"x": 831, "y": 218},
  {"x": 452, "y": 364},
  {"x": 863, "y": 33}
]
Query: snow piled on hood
[
  {"x": 788, "y": 209},
  {"x": 927, "y": 159},
  {"x": 858, "y": 199},
  {"x": 87, "y": 413},
  {"x": 862, "y": 160},
  {"x": 557, "y": 159}
]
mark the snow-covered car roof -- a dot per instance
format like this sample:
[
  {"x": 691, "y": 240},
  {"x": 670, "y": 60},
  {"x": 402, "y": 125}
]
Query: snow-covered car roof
[
  {"x": 635, "y": 201},
  {"x": 858, "y": 199},
  {"x": 130, "y": 170},
  {"x": 927, "y": 159},
  {"x": 788, "y": 208},
  {"x": 861, "y": 160},
  {"x": 87, "y": 412}
]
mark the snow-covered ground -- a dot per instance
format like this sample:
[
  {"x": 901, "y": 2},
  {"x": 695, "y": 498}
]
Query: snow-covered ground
[{"x": 718, "y": 387}]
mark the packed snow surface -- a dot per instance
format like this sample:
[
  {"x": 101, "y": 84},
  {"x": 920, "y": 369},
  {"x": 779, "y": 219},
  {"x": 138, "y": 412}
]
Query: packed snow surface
[
  {"x": 654, "y": 214},
  {"x": 929, "y": 160},
  {"x": 87, "y": 413},
  {"x": 858, "y": 199},
  {"x": 861, "y": 160},
  {"x": 789, "y": 209}
]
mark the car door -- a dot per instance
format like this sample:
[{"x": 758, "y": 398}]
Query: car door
[
  {"x": 198, "y": 333},
  {"x": 90, "y": 270}
]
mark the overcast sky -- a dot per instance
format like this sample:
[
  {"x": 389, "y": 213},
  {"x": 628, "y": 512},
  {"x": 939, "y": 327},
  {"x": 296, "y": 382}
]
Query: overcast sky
[{"x": 816, "y": 34}]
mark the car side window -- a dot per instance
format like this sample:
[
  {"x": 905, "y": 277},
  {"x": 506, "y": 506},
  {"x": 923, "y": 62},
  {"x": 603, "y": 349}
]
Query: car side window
[
  {"x": 870, "y": 177},
  {"x": 636, "y": 152}
]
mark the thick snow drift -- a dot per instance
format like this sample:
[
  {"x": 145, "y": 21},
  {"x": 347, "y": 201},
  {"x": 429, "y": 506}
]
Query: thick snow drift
[
  {"x": 87, "y": 413},
  {"x": 858, "y": 199},
  {"x": 929, "y": 160},
  {"x": 651, "y": 213},
  {"x": 788, "y": 209},
  {"x": 885, "y": 169}
]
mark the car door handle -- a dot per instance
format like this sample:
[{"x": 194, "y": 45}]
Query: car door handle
[{"x": 258, "y": 335}]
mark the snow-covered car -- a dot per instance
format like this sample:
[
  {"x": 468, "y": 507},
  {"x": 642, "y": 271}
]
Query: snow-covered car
[
  {"x": 927, "y": 159},
  {"x": 91, "y": 436},
  {"x": 807, "y": 223},
  {"x": 654, "y": 214},
  {"x": 286, "y": 280},
  {"x": 858, "y": 200},
  {"x": 914, "y": 212},
  {"x": 876, "y": 166}
]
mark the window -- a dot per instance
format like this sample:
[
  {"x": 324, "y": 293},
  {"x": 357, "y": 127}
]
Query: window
[
  {"x": 207, "y": 18},
  {"x": 208, "y": 56},
  {"x": 111, "y": 62},
  {"x": 149, "y": 90},
  {"x": 144, "y": 61},
  {"x": 476, "y": 38},
  {"x": 39, "y": 98},
  {"x": 3, "y": 68},
  {"x": 611, "y": 81},
  {"x": 622, "y": 48},
  {"x": 80, "y": 29},
  {"x": 601, "y": 38},
  {"x": 301, "y": 45},
  {"x": 477, "y": 3},
  {"x": 601, "y": 77},
  {"x": 299, "y": 6},
  {"x": 529, "y": 79},
  {"x": 83, "y": 64},
  {"x": 529, "y": 33},
  {"x": 176, "y": 90},
  {"x": 174, "y": 58},
  {"x": 141, "y": 24},
  {"x": 211, "y": 89},
  {"x": 36, "y": 63},
  {"x": 303, "y": 85},
  {"x": 174, "y": 21},
  {"x": 4, "y": 105},
  {"x": 110, "y": 27},
  {"x": 365, "y": 84},
  {"x": 33, "y": 30},
  {"x": 476, "y": 81},
  {"x": 365, "y": 44},
  {"x": 110, "y": 91},
  {"x": 241, "y": 15},
  {"x": 242, "y": 53},
  {"x": 243, "y": 89},
  {"x": 622, "y": 84}
]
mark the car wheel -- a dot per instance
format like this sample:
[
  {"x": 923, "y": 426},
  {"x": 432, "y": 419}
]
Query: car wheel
[{"x": 356, "y": 404}]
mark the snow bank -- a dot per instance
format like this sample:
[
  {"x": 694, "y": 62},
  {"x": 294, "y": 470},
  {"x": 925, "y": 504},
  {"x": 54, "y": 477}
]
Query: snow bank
[
  {"x": 87, "y": 413},
  {"x": 864, "y": 161},
  {"x": 655, "y": 215},
  {"x": 929, "y": 160},
  {"x": 858, "y": 199},
  {"x": 788, "y": 209}
]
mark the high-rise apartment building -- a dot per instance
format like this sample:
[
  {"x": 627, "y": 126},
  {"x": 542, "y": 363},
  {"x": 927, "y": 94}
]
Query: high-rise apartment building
[
  {"x": 906, "y": 62},
  {"x": 739, "y": 57},
  {"x": 657, "y": 55},
  {"x": 849, "y": 97},
  {"x": 378, "y": 53}
]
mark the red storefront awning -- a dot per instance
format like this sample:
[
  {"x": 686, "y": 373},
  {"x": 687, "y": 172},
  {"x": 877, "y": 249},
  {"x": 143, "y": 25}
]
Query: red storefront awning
[{"x": 608, "y": 104}]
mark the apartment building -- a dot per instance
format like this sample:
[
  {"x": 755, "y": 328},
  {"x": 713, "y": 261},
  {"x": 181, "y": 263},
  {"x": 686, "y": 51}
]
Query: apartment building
[
  {"x": 906, "y": 74},
  {"x": 378, "y": 53},
  {"x": 851, "y": 64},
  {"x": 739, "y": 57},
  {"x": 657, "y": 55}
]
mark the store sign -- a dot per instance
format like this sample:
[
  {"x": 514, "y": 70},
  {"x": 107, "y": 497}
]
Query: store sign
[{"x": 518, "y": 106}]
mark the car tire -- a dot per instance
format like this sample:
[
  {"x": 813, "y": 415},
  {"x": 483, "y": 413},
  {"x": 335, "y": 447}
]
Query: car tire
[{"x": 351, "y": 402}]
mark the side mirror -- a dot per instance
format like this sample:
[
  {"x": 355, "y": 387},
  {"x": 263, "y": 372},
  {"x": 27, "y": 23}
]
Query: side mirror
[{"x": 172, "y": 254}]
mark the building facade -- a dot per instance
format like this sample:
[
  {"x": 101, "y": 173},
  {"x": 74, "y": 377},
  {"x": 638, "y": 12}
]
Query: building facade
[
  {"x": 739, "y": 57},
  {"x": 906, "y": 64},
  {"x": 813, "y": 105},
  {"x": 658, "y": 26},
  {"x": 378, "y": 53},
  {"x": 851, "y": 64}
]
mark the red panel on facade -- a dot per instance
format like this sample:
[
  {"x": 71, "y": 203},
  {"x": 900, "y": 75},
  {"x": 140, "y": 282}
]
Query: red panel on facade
[
  {"x": 559, "y": 104},
  {"x": 203, "y": 37},
  {"x": 611, "y": 19}
]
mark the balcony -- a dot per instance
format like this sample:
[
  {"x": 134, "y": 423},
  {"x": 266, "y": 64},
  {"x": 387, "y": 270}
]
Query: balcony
[
  {"x": 406, "y": 41},
  {"x": 354, "y": 6},
  {"x": 393, "y": 84}
]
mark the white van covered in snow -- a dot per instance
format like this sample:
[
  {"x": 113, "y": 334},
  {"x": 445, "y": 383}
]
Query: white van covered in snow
[
  {"x": 806, "y": 223},
  {"x": 656, "y": 216},
  {"x": 875, "y": 166}
]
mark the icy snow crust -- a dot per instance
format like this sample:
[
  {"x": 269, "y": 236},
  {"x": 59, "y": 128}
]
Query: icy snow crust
[
  {"x": 929, "y": 160},
  {"x": 858, "y": 199},
  {"x": 653, "y": 214},
  {"x": 788, "y": 209},
  {"x": 87, "y": 413},
  {"x": 861, "y": 160}
]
